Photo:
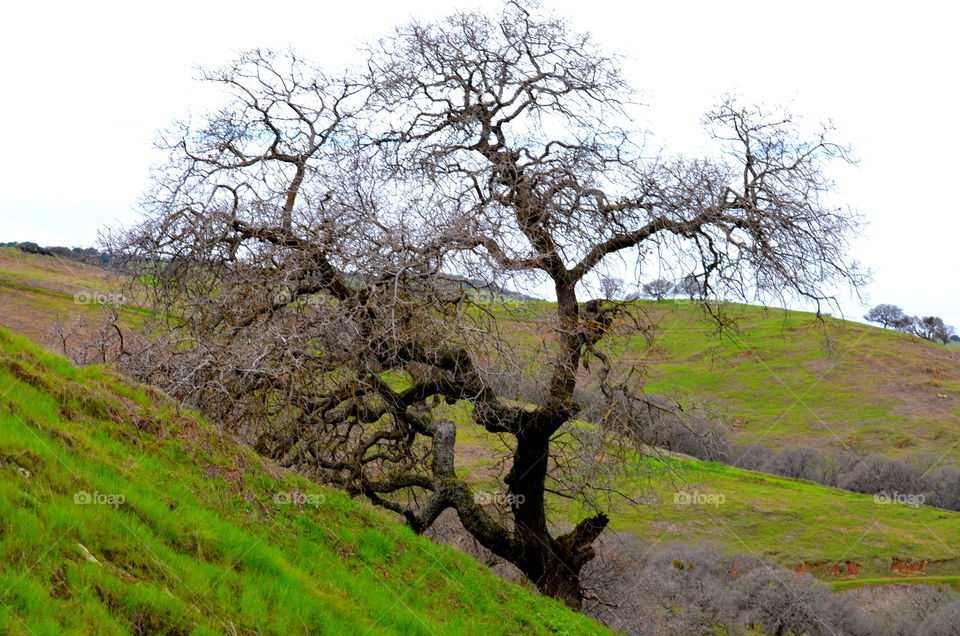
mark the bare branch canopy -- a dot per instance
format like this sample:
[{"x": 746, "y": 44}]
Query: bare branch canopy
[{"x": 317, "y": 251}]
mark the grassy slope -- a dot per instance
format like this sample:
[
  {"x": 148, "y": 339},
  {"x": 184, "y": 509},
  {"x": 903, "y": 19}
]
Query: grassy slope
[
  {"x": 796, "y": 523},
  {"x": 793, "y": 522},
  {"x": 789, "y": 380},
  {"x": 786, "y": 379},
  {"x": 34, "y": 289},
  {"x": 199, "y": 543}
]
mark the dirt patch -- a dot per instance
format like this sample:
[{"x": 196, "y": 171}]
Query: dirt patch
[
  {"x": 847, "y": 568},
  {"x": 908, "y": 566},
  {"x": 807, "y": 566}
]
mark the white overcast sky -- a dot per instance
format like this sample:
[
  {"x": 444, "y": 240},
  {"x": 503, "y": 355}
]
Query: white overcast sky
[{"x": 85, "y": 87}]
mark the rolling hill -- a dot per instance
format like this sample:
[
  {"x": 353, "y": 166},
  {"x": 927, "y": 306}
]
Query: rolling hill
[
  {"x": 836, "y": 535},
  {"x": 36, "y": 289},
  {"x": 784, "y": 378}
]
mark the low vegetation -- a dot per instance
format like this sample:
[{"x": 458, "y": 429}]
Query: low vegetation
[{"x": 700, "y": 590}]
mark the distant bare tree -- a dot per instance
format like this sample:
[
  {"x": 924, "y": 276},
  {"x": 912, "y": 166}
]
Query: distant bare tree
[
  {"x": 308, "y": 246},
  {"x": 888, "y": 316},
  {"x": 934, "y": 329},
  {"x": 611, "y": 287},
  {"x": 87, "y": 340},
  {"x": 690, "y": 287},
  {"x": 658, "y": 289}
]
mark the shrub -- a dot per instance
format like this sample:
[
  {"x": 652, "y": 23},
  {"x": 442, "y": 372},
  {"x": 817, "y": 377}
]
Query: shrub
[
  {"x": 944, "y": 621},
  {"x": 779, "y": 602},
  {"x": 32, "y": 248},
  {"x": 876, "y": 474},
  {"x": 699, "y": 589},
  {"x": 690, "y": 432},
  {"x": 942, "y": 488}
]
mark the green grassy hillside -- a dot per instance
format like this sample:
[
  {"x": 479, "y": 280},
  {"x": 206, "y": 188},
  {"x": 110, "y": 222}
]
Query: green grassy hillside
[
  {"x": 788, "y": 379},
  {"x": 784, "y": 378},
  {"x": 120, "y": 513},
  {"x": 833, "y": 534}
]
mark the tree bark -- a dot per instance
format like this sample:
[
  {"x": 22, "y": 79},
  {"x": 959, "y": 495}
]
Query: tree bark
[{"x": 554, "y": 565}]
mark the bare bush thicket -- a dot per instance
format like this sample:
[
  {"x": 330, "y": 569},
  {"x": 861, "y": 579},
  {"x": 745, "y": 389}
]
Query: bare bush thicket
[
  {"x": 864, "y": 473},
  {"x": 692, "y": 431},
  {"x": 699, "y": 589},
  {"x": 876, "y": 474},
  {"x": 84, "y": 340},
  {"x": 306, "y": 247}
]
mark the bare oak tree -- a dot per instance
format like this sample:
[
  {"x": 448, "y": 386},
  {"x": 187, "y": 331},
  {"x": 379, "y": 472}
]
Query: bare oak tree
[
  {"x": 933, "y": 328},
  {"x": 308, "y": 248},
  {"x": 610, "y": 287},
  {"x": 658, "y": 289},
  {"x": 888, "y": 315},
  {"x": 690, "y": 287}
]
